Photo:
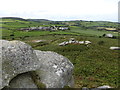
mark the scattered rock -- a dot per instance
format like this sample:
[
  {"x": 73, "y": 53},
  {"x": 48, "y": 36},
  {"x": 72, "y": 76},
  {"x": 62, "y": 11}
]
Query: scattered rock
[
  {"x": 81, "y": 42},
  {"x": 87, "y": 42},
  {"x": 115, "y": 48},
  {"x": 62, "y": 44},
  {"x": 37, "y": 41},
  {"x": 104, "y": 87},
  {"x": 85, "y": 88},
  {"x": 73, "y": 41},
  {"x": 108, "y": 35}
]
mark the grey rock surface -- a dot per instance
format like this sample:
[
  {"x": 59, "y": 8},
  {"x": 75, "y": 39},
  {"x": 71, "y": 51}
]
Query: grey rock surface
[
  {"x": 17, "y": 58},
  {"x": 56, "y": 70},
  {"x": 105, "y": 87},
  {"x": 73, "y": 41},
  {"x": 115, "y": 48},
  {"x": 23, "y": 80},
  {"x": 108, "y": 35},
  {"x": 49, "y": 68}
]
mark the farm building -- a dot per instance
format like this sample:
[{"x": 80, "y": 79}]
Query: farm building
[{"x": 50, "y": 28}]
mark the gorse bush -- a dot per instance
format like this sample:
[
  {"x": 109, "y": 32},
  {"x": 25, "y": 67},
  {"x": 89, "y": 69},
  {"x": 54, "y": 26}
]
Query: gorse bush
[
  {"x": 101, "y": 42},
  {"x": 72, "y": 47},
  {"x": 40, "y": 44}
]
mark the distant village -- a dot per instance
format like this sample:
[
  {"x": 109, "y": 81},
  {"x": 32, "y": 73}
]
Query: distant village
[{"x": 46, "y": 28}]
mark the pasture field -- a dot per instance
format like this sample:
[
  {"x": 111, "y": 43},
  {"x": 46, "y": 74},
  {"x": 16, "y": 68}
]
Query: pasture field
[
  {"x": 92, "y": 32},
  {"x": 94, "y": 65}
]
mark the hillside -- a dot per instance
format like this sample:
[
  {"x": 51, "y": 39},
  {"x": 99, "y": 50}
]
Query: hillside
[
  {"x": 38, "y": 20},
  {"x": 79, "y": 23},
  {"x": 13, "y": 18},
  {"x": 95, "y": 64},
  {"x": 82, "y": 27}
]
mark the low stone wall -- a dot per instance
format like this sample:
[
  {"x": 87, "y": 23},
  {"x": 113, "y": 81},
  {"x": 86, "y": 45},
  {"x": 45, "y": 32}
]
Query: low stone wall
[{"x": 72, "y": 41}]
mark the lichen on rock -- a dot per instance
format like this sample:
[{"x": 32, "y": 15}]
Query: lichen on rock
[
  {"x": 17, "y": 58},
  {"x": 24, "y": 67},
  {"x": 56, "y": 69}
]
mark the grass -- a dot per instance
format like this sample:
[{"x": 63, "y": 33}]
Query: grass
[
  {"x": 95, "y": 65},
  {"x": 92, "y": 32},
  {"x": 37, "y": 80}
]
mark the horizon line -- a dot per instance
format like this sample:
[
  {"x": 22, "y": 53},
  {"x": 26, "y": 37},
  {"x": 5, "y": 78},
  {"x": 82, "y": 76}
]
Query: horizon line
[{"x": 59, "y": 20}]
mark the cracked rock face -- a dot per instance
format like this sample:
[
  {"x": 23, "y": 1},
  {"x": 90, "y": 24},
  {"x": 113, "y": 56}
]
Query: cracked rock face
[
  {"x": 49, "y": 68},
  {"x": 17, "y": 58}
]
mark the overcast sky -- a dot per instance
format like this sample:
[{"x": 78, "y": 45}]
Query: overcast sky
[{"x": 96, "y": 10}]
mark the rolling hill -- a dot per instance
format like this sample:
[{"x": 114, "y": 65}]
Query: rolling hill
[{"x": 94, "y": 64}]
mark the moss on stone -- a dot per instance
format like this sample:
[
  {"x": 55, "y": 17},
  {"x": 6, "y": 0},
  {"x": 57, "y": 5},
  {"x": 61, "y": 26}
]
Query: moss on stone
[
  {"x": 67, "y": 87},
  {"x": 36, "y": 80}
]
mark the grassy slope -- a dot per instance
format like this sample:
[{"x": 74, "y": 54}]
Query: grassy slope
[
  {"x": 91, "y": 31},
  {"x": 94, "y": 65},
  {"x": 14, "y": 24}
]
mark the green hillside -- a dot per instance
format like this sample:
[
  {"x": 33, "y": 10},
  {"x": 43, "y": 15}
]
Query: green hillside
[
  {"x": 95, "y": 64},
  {"x": 79, "y": 27}
]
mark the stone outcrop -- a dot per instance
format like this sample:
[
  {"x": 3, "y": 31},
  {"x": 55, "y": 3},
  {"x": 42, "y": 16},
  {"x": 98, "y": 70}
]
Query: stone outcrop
[
  {"x": 56, "y": 70},
  {"x": 115, "y": 48},
  {"x": 105, "y": 87},
  {"x": 24, "y": 67},
  {"x": 17, "y": 58},
  {"x": 108, "y": 35},
  {"x": 73, "y": 41},
  {"x": 23, "y": 81}
]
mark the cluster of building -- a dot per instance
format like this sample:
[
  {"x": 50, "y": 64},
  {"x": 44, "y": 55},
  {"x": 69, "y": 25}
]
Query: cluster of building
[
  {"x": 73, "y": 41},
  {"x": 46, "y": 28}
]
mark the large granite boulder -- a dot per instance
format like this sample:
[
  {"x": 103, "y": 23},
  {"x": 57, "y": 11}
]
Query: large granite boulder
[
  {"x": 56, "y": 70},
  {"x": 24, "y": 67},
  {"x": 17, "y": 58}
]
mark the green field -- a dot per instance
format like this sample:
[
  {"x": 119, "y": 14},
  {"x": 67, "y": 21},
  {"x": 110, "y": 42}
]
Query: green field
[
  {"x": 95, "y": 65},
  {"x": 92, "y": 32}
]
